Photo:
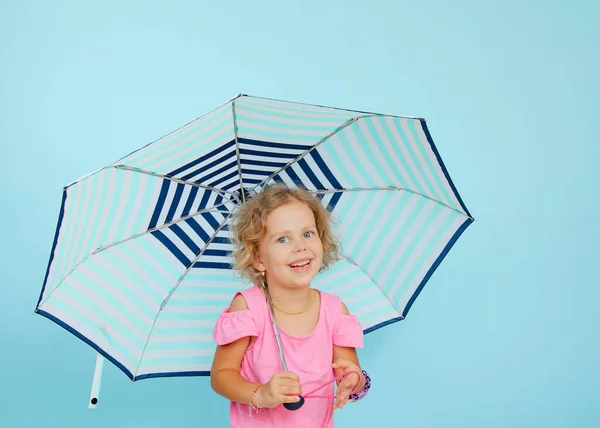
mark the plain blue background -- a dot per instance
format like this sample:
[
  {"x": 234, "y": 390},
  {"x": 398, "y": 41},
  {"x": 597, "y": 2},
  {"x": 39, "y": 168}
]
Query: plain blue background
[{"x": 505, "y": 334}]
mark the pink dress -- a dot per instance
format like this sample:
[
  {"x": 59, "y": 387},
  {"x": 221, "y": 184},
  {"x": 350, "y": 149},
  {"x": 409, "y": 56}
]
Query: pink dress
[{"x": 310, "y": 357}]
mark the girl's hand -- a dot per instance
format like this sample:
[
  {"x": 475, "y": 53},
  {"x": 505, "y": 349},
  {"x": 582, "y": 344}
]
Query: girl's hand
[
  {"x": 347, "y": 383},
  {"x": 284, "y": 387}
]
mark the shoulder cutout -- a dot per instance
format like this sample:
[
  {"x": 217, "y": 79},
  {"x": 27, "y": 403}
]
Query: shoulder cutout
[
  {"x": 238, "y": 304},
  {"x": 345, "y": 310}
]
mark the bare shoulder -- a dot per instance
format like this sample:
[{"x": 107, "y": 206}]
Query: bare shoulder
[
  {"x": 238, "y": 304},
  {"x": 345, "y": 310}
]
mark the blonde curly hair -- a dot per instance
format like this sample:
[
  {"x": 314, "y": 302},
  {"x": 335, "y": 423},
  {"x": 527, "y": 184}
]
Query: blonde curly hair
[{"x": 249, "y": 226}]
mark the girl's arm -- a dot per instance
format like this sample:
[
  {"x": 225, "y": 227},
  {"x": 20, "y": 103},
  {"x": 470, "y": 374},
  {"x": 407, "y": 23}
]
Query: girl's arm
[
  {"x": 345, "y": 359},
  {"x": 226, "y": 380},
  {"x": 225, "y": 377}
]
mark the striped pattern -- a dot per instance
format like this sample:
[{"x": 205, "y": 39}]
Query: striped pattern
[{"x": 140, "y": 268}]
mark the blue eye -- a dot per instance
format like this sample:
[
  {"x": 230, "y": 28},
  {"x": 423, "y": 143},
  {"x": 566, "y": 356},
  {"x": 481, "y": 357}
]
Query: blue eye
[
  {"x": 282, "y": 240},
  {"x": 309, "y": 234}
]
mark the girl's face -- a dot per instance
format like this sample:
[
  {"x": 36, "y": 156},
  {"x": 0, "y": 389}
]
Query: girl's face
[{"x": 290, "y": 252}]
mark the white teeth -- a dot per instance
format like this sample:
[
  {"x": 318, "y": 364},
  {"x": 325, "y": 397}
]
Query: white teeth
[{"x": 301, "y": 265}]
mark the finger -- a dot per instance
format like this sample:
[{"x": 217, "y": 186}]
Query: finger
[
  {"x": 350, "y": 382},
  {"x": 344, "y": 401},
  {"x": 289, "y": 399},
  {"x": 289, "y": 384},
  {"x": 339, "y": 404},
  {"x": 290, "y": 390},
  {"x": 336, "y": 403},
  {"x": 339, "y": 365},
  {"x": 342, "y": 362},
  {"x": 339, "y": 399},
  {"x": 288, "y": 375}
]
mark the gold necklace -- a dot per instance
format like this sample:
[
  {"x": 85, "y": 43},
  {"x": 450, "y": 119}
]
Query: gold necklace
[{"x": 299, "y": 312}]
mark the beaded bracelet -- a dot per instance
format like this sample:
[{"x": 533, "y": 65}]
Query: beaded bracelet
[
  {"x": 251, "y": 405},
  {"x": 360, "y": 394}
]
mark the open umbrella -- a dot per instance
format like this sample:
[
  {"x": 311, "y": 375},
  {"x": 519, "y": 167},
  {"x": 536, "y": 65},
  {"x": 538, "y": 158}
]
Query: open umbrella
[{"x": 140, "y": 266}]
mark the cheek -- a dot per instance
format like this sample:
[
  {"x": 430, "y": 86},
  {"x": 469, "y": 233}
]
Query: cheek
[
  {"x": 279, "y": 256},
  {"x": 319, "y": 249}
]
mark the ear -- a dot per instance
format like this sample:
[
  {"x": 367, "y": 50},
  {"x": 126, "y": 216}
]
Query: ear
[{"x": 258, "y": 265}]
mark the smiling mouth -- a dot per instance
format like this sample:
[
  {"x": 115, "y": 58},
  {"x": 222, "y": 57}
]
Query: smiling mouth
[{"x": 300, "y": 265}]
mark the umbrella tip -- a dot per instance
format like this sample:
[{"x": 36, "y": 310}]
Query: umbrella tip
[{"x": 241, "y": 94}]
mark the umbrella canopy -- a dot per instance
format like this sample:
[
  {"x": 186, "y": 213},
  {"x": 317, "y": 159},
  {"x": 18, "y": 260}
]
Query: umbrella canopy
[{"x": 140, "y": 267}]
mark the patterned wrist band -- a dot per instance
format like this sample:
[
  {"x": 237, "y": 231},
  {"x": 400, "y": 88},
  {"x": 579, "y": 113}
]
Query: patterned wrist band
[{"x": 361, "y": 394}]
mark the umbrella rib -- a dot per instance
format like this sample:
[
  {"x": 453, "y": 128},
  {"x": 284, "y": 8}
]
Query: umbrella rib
[
  {"x": 327, "y": 137},
  {"x": 181, "y": 278},
  {"x": 175, "y": 179},
  {"x": 237, "y": 151},
  {"x": 373, "y": 281},
  {"x": 105, "y": 247},
  {"x": 306, "y": 152},
  {"x": 391, "y": 188}
]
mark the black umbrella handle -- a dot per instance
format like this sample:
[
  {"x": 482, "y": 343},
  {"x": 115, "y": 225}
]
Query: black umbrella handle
[{"x": 296, "y": 405}]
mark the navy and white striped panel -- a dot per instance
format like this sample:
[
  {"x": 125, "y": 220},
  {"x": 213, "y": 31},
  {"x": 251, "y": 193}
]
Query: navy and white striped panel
[
  {"x": 207, "y": 209},
  {"x": 261, "y": 159},
  {"x": 218, "y": 252},
  {"x": 189, "y": 238},
  {"x": 178, "y": 200},
  {"x": 311, "y": 173},
  {"x": 216, "y": 169}
]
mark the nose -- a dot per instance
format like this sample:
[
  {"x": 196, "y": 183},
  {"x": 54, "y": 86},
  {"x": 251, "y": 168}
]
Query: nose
[{"x": 299, "y": 245}]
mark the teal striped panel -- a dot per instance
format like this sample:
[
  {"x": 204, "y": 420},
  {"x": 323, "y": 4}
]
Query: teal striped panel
[
  {"x": 384, "y": 152},
  {"x": 414, "y": 272},
  {"x": 400, "y": 240},
  {"x": 273, "y": 117},
  {"x": 391, "y": 275},
  {"x": 76, "y": 250},
  {"x": 339, "y": 166},
  {"x": 285, "y": 125},
  {"x": 129, "y": 187},
  {"x": 298, "y": 110},
  {"x": 96, "y": 290},
  {"x": 72, "y": 214},
  {"x": 194, "y": 149},
  {"x": 183, "y": 345},
  {"x": 396, "y": 129},
  {"x": 193, "y": 363},
  {"x": 98, "y": 311},
  {"x": 357, "y": 208},
  {"x": 399, "y": 153},
  {"x": 431, "y": 163},
  {"x": 194, "y": 134},
  {"x": 120, "y": 275},
  {"x": 356, "y": 289},
  {"x": 78, "y": 318}
]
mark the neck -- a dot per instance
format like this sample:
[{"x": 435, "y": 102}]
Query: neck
[{"x": 294, "y": 299}]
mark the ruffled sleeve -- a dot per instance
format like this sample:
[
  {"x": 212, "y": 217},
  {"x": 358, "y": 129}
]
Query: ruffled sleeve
[
  {"x": 348, "y": 332},
  {"x": 232, "y": 326}
]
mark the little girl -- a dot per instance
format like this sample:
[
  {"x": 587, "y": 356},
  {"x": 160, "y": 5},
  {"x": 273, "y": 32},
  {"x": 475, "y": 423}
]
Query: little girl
[{"x": 283, "y": 239}]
